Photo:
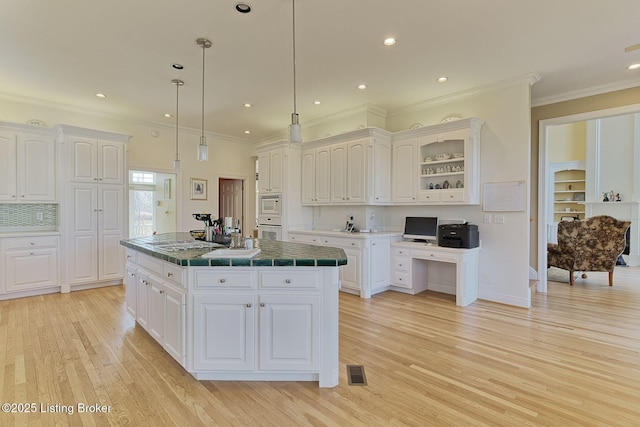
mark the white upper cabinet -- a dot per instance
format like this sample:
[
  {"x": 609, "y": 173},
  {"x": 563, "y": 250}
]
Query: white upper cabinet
[
  {"x": 270, "y": 170},
  {"x": 404, "y": 171},
  {"x": 27, "y": 164},
  {"x": 446, "y": 164},
  {"x": 96, "y": 161},
  {"x": 351, "y": 168}
]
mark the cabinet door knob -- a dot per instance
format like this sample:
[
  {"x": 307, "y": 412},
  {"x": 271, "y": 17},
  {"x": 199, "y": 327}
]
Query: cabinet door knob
[
  {"x": 161, "y": 291},
  {"x": 287, "y": 280},
  {"x": 32, "y": 243},
  {"x": 248, "y": 305},
  {"x": 169, "y": 274},
  {"x": 261, "y": 304},
  {"x": 223, "y": 280}
]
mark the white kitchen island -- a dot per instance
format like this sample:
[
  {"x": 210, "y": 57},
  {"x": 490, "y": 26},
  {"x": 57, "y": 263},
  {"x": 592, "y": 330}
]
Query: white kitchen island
[{"x": 272, "y": 317}]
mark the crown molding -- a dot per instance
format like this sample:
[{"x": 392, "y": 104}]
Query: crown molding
[
  {"x": 583, "y": 93},
  {"x": 530, "y": 79}
]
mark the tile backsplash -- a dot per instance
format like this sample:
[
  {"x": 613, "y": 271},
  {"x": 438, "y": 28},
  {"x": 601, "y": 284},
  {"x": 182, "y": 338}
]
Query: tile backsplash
[{"x": 28, "y": 217}]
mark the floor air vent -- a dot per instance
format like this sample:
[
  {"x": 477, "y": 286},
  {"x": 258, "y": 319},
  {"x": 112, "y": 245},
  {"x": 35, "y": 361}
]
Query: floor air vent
[{"x": 356, "y": 375}]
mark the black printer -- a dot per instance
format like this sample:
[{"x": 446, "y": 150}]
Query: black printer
[{"x": 464, "y": 236}]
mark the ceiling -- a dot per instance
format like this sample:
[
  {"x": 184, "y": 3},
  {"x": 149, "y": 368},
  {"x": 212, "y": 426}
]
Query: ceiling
[{"x": 65, "y": 51}]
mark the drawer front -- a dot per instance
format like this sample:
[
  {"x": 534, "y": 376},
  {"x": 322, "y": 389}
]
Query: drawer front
[
  {"x": 209, "y": 278},
  {"x": 436, "y": 256},
  {"x": 401, "y": 252},
  {"x": 401, "y": 279},
  {"x": 292, "y": 279},
  {"x": 131, "y": 255},
  {"x": 452, "y": 196},
  {"x": 174, "y": 273},
  {"x": 402, "y": 263},
  {"x": 342, "y": 242},
  {"x": 428, "y": 196},
  {"x": 305, "y": 238},
  {"x": 31, "y": 242},
  {"x": 154, "y": 265}
]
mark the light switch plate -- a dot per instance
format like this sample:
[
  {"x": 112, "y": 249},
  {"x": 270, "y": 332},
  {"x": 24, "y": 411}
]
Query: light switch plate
[{"x": 498, "y": 218}]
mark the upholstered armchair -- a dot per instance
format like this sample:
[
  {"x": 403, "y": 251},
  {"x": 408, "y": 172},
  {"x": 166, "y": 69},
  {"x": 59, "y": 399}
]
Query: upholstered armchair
[{"x": 592, "y": 244}]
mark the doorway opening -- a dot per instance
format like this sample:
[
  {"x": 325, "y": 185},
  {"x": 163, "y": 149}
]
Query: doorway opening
[
  {"x": 152, "y": 203},
  {"x": 231, "y": 200}
]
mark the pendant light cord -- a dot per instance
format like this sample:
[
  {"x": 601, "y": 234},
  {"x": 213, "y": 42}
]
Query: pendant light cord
[
  {"x": 177, "y": 97},
  {"x": 202, "y": 136},
  {"x": 295, "y": 111}
]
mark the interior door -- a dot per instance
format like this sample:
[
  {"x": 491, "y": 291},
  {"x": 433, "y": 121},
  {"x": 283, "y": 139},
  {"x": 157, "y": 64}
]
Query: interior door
[{"x": 231, "y": 198}]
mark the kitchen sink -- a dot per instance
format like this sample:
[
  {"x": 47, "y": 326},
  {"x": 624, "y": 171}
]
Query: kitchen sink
[{"x": 232, "y": 253}]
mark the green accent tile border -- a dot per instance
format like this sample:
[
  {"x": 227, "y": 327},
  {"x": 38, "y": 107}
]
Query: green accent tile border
[{"x": 273, "y": 253}]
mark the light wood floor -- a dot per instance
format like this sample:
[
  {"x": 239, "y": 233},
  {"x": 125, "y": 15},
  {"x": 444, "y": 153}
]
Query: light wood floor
[{"x": 571, "y": 360}]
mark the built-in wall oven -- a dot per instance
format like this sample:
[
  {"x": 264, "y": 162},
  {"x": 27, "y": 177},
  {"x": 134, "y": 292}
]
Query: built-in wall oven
[{"x": 270, "y": 217}]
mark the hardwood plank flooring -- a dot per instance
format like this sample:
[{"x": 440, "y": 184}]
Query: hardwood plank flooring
[{"x": 573, "y": 359}]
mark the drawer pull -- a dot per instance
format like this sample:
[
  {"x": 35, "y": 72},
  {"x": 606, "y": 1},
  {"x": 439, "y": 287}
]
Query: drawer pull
[
  {"x": 161, "y": 292},
  {"x": 223, "y": 280},
  {"x": 287, "y": 280},
  {"x": 169, "y": 274},
  {"x": 31, "y": 253},
  {"x": 261, "y": 304},
  {"x": 248, "y": 305},
  {"x": 32, "y": 243}
]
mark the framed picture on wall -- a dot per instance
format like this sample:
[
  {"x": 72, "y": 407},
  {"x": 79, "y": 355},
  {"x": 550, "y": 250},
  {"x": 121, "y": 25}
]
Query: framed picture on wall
[
  {"x": 578, "y": 197},
  {"x": 198, "y": 189}
]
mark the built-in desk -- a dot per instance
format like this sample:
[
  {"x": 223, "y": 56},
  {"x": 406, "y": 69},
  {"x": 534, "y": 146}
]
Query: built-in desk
[{"x": 416, "y": 267}]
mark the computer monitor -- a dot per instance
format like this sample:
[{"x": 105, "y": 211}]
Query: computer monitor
[{"x": 421, "y": 228}]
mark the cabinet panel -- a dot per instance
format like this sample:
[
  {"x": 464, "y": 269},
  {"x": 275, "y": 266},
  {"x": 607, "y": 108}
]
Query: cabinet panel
[
  {"x": 308, "y": 177},
  {"x": 339, "y": 173},
  {"x": 404, "y": 170},
  {"x": 323, "y": 175},
  {"x": 142, "y": 299},
  {"x": 356, "y": 170},
  {"x": 289, "y": 332},
  {"x": 31, "y": 269},
  {"x": 174, "y": 324},
  {"x": 228, "y": 347},
  {"x": 156, "y": 309},
  {"x": 36, "y": 169},
  {"x": 83, "y": 160},
  {"x": 350, "y": 273},
  {"x": 130, "y": 283},
  {"x": 110, "y": 231},
  {"x": 8, "y": 177},
  {"x": 111, "y": 162},
  {"x": 381, "y": 172}
]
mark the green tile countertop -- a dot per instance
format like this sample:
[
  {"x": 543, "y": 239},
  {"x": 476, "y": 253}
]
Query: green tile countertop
[{"x": 273, "y": 253}]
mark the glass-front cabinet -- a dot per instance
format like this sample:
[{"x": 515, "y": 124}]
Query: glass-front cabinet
[{"x": 448, "y": 163}]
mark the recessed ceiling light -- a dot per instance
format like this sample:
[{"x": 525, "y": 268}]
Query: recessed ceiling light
[
  {"x": 167, "y": 115},
  {"x": 362, "y": 86},
  {"x": 317, "y": 102},
  {"x": 177, "y": 66},
  {"x": 389, "y": 41},
  {"x": 442, "y": 79},
  {"x": 247, "y": 132},
  {"x": 243, "y": 7},
  {"x": 101, "y": 95},
  {"x": 633, "y": 66},
  {"x": 246, "y": 104}
]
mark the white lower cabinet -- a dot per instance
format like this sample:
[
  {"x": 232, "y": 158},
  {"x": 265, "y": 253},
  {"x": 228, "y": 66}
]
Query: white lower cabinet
[
  {"x": 285, "y": 327},
  {"x": 160, "y": 308},
  {"x": 224, "y": 332},
  {"x": 29, "y": 263},
  {"x": 367, "y": 270},
  {"x": 289, "y": 332}
]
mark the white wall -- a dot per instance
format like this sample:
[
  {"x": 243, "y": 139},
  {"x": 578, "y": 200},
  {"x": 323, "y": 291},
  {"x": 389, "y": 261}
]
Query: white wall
[
  {"x": 505, "y": 156},
  {"x": 227, "y": 157},
  {"x": 617, "y": 145}
]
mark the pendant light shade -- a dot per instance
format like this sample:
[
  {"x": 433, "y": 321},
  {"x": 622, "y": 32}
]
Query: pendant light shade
[
  {"x": 177, "y": 83},
  {"x": 203, "y": 151},
  {"x": 295, "y": 131}
]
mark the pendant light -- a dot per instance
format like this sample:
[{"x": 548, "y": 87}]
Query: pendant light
[
  {"x": 295, "y": 131},
  {"x": 203, "y": 152},
  {"x": 178, "y": 83}
]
